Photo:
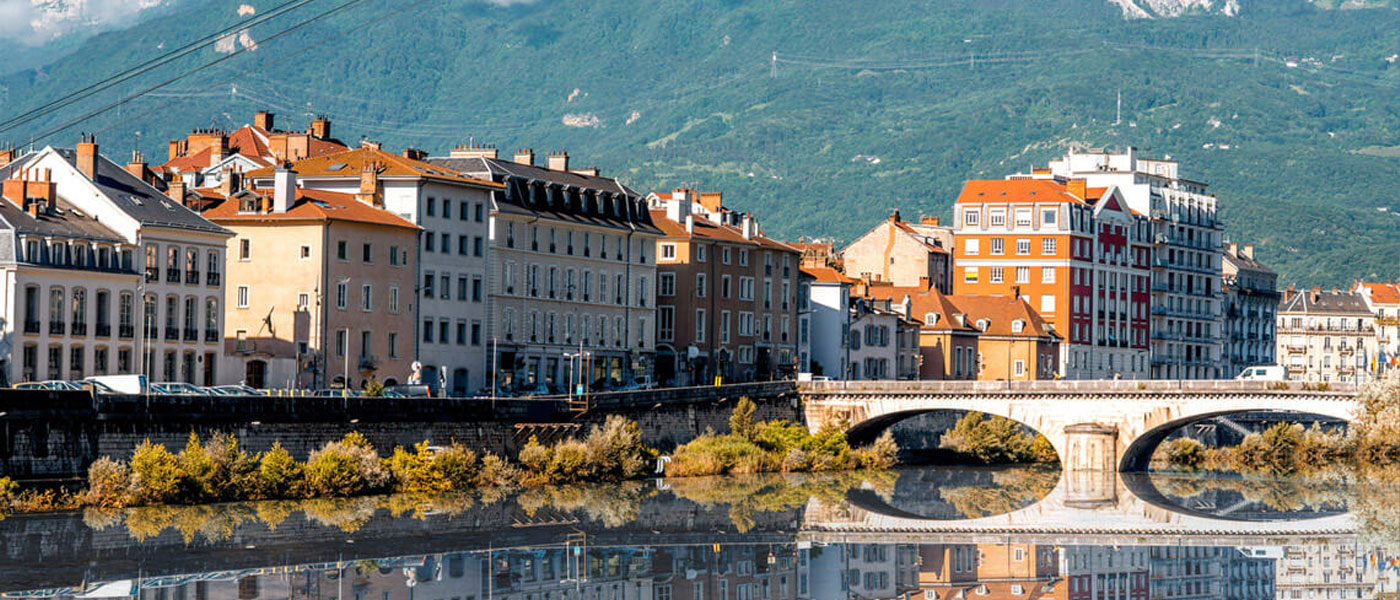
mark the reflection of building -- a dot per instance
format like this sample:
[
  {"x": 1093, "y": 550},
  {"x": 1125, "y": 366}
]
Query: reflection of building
[
  {"x": 320, "y": 285},
  {"x": 903, "y": 254},
  {"x": 1093, "y": 572},
  {"x": 993, "y": 571},
  {"x": 727, "y": 295},
  {"x": 572, "y": 268},
  {"x": 1250, "y": 303},
  {"x": 1189, "y": 573},
  {"x": 1325, "y": 335},
  {"x": 1326, "y": 571}
]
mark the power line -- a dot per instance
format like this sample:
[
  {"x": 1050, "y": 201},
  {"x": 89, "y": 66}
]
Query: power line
[
  {"x": 236, "y": 52},
  {"x": 145, "y": 67}
]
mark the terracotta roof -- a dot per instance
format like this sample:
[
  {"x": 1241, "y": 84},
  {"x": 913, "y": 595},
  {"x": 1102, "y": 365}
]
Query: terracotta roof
[
  {"x": 1381, "y": 293},
  {"x": 311, "y": 204},
  {"x": 920, "y": 237},
  {"x": 978, "y": 191},
  {"x": 922, "y": 303},
  {"x": 349, "y": 163},
  {"x": 704, "y": 228},
  {"x": 827, "y": 275},
  {"x": 1000, "y": 312}
]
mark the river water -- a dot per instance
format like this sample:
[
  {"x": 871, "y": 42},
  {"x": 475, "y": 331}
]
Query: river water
[{"x": 927, "y": 533}]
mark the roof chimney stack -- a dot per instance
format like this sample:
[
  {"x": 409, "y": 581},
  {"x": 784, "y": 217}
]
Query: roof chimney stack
[
  {"x": 559, "y": 161},
  {"x": 137, "y": 166},
  {"x": 473, "y": 150},
  {"x": 87, "y": 156},
  {"x": 176, "y": 189},
  {"x": 525, "y": 156},
  {"x": 747, "y": 226},
  {"x": 8, "y": 155},
  {"x": 320, "y": 127},
  {"x": 414, "y": 154},
  {"x": 370, "y": 191},
  {"x": 263, "y": 120},
  {"x": 1232, "y": 250},
  {"x": 1247, "y": 251},
  {"x": 284, "y": 188},
  {"x": 679, "y": 206},
  {"x": 1079, "y": 188}
]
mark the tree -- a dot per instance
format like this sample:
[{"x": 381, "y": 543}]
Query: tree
[{"x": 741, "y": 421}]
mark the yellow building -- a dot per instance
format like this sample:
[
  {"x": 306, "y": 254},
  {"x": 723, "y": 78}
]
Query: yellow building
[{"x": 320, "y": 284}]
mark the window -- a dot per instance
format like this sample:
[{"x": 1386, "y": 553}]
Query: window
[
  {"x": 666, "y": 284},
  {"x": 725, "y": 286},
  {"x": 445, "y": 291},
  {"x": 305, "y": 252},
  {"x": 431, "y": 207},
  {"x": 1018, "y": 326},
  {"x": 462, "y": 291},
  {"x": 476, "y": 332},
  {"x": 342, "y": 294},
  {"x": 367, "y": 253},
  {"x": 998, "y": 246},
  {"x": 428, "y": 279},
  {"x": 746, "y": 324},
  {"x": 1023, "y": 247},
  {"x": 245, "y": 250},
  {"x": 1049, "y": 216},
  {"x": 367, "y": 302},
  {"x": 1023, "y": 217},
  {"x": 743, "y": 257},
  {"x": 700, "y": 325},
  {"x": 724, "y": 327},
  {"x": 461, "y": 333},
  {"x": 446, "y": 208},
  {"x": 971, "y": 246},
  {"x": 480, "y": 208},
  {"x": 998, "y": 217},
  {"x": 476, "y": 288},
  {"x": 242, "y": 296},
  {"x": 1047, "y": 246},
  {"x": 341, "y": 250},
  {"x": 969, "y": 274},
  {"x": 668, "y": 252},
  {"x": 1047, "y": 304},
  {"x": 970, "y": 218},
  {"x": 1023, "y": 274},
  {"x": 996, "y": 276},
  {"x": 666, "y": 323},
  {"x": 393, "y": 298},
  {"x": 1047, "y": 274},
  {"x": 700, "y": 254},
  {"x": 724, "y": 255},
  {"x": 700, "y": 285},
  {"x": 463, "y": 247},
  {"x": 394, "y": 256},
  {"x": 478, "y": 246}
]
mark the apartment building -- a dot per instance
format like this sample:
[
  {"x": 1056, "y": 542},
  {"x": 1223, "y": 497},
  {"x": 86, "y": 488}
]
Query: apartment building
[
  {"x": 320, "y": 284},
  {"x": 1384, "y": 300},
  {"x": 728, "y": 297},
  {"x": 450, "y": 300},
  {"x": 829, "y": 293},
  {"x": 1250, "y": 297},
  {"x": 1077, "y": 255},
  {"x": 882, "y": 344},
  {"x": 1326, "y": 336},
  {"x": 947, "y": 340},
  {"x": 572, "y": 274},
  {"x": 1186, "y": 239},
  {"x": 205, "y": 157},
  {"x": 180, "y": 333},
  {"x": 903, "y": 254}
]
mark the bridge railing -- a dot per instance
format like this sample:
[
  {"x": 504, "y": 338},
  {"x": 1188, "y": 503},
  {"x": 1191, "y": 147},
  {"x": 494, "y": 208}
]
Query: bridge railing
[{"x": 1067, "y": 386}]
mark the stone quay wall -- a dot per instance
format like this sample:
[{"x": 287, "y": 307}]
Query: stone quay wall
[{"x": 56, "y": 435}]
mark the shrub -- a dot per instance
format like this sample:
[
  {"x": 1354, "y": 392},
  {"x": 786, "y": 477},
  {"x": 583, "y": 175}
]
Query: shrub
[
  {"x": 458, "y": 467},
  {"x": 1185, "y": 453},
  {"x": 235, "y": 474},
  {"x": 568, "y": 462},
  {"x": 995, "y": 440},
  {"x": 535, "y": 457},
  {"x": 279, "y": 475},
  {"x": 196, "y": 472},
  {"x": 713, "y": 455},
  {"x": 615, "y": 450},
  {"x": 415, "y": 472},
  {"x": 496, "y": 472},
  {"x": 109, "y": 484},
  {"x": 155, "y": 474},
  {"x": 8, "y": 489},
  {"x": 780, "y": 436},
  {"x": 741, "y": 418},
  {"x": 348, "y": 467},
  {"x": 882, "y": 454}
]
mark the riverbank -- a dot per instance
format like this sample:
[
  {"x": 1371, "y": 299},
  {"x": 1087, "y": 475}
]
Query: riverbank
[{"x": 216, "y": 469}]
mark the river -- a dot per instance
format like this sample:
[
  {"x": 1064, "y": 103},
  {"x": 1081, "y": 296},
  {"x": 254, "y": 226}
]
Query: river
[{"x": 924, "y": 533}]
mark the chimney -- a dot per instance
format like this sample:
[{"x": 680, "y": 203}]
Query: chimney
[
  {"x": 1247, "y": 251},
  {"x": 176, "y": 189},
  {"x": 370, "y": 144},
  {"x": 284, "y": 188},
  {"x": 1232, "y": 250},
  {"x": 1316, "y": 294},
  {"x": 87, "y": 156},
  {"x": 1078, "y": 188},
  {"x": 263, "y": 120},
  {"x": 8, "y": 156},
  {"x": 679, "y": 206},
  {"x": 230, "y": 182},
  {"x": 320, "y": 127},
  {"x": 525, "y": 156},
  {"x": 586, "y": 172},
  {"x": 747, "y": 226},
  {"x": 472, "y": 150},
  {"x": 414, "y": 154},
  {"x": 370, "y": 192},
  {"x": 690, "y": 224},
  {"x": 929, "y": 221},
  {"x": 137, "y": 166},
  {"x": 559, "y": 161},
  {"x": 894, "y": 216},
  {"x": 16, "y": 189},
  {"x": 218, "y": 151}
]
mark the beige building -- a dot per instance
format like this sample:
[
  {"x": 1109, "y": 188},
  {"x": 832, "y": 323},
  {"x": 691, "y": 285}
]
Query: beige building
[
  {"x": 320, "y": 285},
  {"x": 902, "y": 253},
  {"x": 1384, "y": 300},
  {"x": 727, "y": 295},
  {"x": 1326, "y": 336}
]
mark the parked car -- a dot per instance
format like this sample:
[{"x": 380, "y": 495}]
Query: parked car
[
  {"x": 335, "y": 393},
  {"x": 51, "y": 385},
  {"x": 238, "y": 390},
  {"x": 408, "y": 391},
  {"x": 1268, "y": 373},
  {"x": 176, "y": 388}
]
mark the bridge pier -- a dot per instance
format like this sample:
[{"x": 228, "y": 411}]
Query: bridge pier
[{"x": 1090, "y": 447}]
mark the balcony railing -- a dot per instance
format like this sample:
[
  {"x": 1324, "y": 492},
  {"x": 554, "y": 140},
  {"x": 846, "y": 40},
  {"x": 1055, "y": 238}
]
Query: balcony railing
[
  {"x": 191, "y": 334},
  {"x": 211, "y": 335},
  {"x": 152, "y": 274},
  {"x": 192, "y": 277},
  {"x": 368, "y": 363},
  {"x": 55, "y": 327},
  {"x": 79, "y": 328},
  {"x": 172, "y": 333},
  {"x": 31, "y": 326},
  {"x": 126, "y": 332},
  {"x": 172, "y": 275},
  {"x": 103, "y": 330},
  {"x": 211, "y": 278}
]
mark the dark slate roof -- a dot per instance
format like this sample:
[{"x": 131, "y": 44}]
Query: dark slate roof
[
  {"x": 1247, "y": 264},
  {"x": 515, "y": 199},
  {"x": 1328, "y": 302},
  {"x": 65, "y": 222},
  {"x": 142, "y": 201}
]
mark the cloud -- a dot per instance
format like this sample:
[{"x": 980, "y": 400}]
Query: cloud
[{"x": 35, "y": 22}]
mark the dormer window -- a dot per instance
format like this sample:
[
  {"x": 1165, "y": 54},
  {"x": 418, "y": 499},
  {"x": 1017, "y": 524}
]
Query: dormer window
[
  {"x": 930, "y": 319},
  {"x": 983, "y": 324},
  {"x": 1018, "y": 326}
]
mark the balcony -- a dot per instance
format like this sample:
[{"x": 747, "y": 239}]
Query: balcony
[
  {"x": 152, "y": 274},
  {"x": 367, "y": 363},
  {"x": 1297, "y": 348},
  {"x": 103, "y": 330},
  {"x": 192, "y": 277},
  {"x": 56, "y": 327},
  {"x": 1345, "y": 350},
  {"x": 172, "y": 275},
  {"x": 172, "y": 333},
  {"x": 211, "y": 335},
  {"x": 79, "y": 328},
  {"x": 211, "y": 278},
  {"x": 151, "y": 332},
  {"x": 31, "y": 326},
  {"x": 191, "y": 334},
  {"x": 126, "y": 332}
]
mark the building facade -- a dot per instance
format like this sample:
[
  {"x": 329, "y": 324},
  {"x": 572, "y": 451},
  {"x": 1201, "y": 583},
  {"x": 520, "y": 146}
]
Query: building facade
[
  {"x": 450, "y": 299},
  {"x": 728, "y": 297},
  {"x": 1250, "y": 297},
  {"x": 205, "y": 157},
  {"x": 1325, "y": 336},
  {"x": 882, "y": 344},
  {"x": 1384, "y": 300},
  {"x": 572, "y": 273},
  {"x": 1186, "y": 238},
  {"x": 320, "y": 285},
  {"x": 1078, "y": 256},
  {"x": 179, "y": 333},
  {"x": 830, "y": 300},
  {"x": 903, "y": 254}
]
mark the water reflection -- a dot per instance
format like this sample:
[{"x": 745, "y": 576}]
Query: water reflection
[{"x": 930, "y": 534}]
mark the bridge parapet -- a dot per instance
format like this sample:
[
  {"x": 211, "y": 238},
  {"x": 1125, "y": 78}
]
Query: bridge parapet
[{"x": 1078, "y": 387}]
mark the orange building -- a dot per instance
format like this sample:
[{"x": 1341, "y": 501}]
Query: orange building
[
  {"x": 993, "y": 571},
  {"x": 1078, "y": 256}
]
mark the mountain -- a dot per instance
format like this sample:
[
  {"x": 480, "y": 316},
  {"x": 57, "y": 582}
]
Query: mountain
[{"x": 1288, "y": 109}]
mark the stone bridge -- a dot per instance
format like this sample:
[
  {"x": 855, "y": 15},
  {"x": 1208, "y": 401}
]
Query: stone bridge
[{"x": 1093, "y": 425}]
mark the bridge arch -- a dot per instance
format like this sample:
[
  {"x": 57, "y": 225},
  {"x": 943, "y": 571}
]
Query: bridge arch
[
  {"x": 865, "y": 431},
  {"x": 1137, "y": 453}
]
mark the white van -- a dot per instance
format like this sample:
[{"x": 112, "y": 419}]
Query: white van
[
  {"x": 1269, "y": 373},
  {"x": 123, "y": 384}
]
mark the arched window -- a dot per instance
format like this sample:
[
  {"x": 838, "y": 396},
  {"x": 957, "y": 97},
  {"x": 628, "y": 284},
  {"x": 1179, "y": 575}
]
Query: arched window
[
  {"x": 56, "y": 310},
  {"x": 930, "y": 319},
  {"x": 1018, "y": 326},
  {"x": 983, "y": 324},
  {"x": 79, "y": 311},
  {"x": 211, "y": 319}
]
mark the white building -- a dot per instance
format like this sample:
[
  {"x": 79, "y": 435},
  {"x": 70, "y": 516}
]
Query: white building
[
  {"x": 1326, "y": 336},
  {"x": 1186, "y": 265},
  {"x": 106, "y": 222},
  {"x": 452, "y": 209},
  {"x": 829, "y": 320},
  {"x": 572, "y": 271},
  {"x": 1384, "y": 300}
]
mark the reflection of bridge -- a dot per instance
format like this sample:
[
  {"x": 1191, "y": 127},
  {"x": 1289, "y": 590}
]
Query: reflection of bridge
[
  {"x": 1086, "y": 508},
  {"x": 1094, "y": 425}
]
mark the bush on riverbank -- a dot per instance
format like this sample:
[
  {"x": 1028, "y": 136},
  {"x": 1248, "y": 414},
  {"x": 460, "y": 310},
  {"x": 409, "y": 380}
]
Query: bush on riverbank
[
  {"x": 776, "y": 446},
  {"x": 997, "y": 440},
  {"x": 613, "y": 452}
]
